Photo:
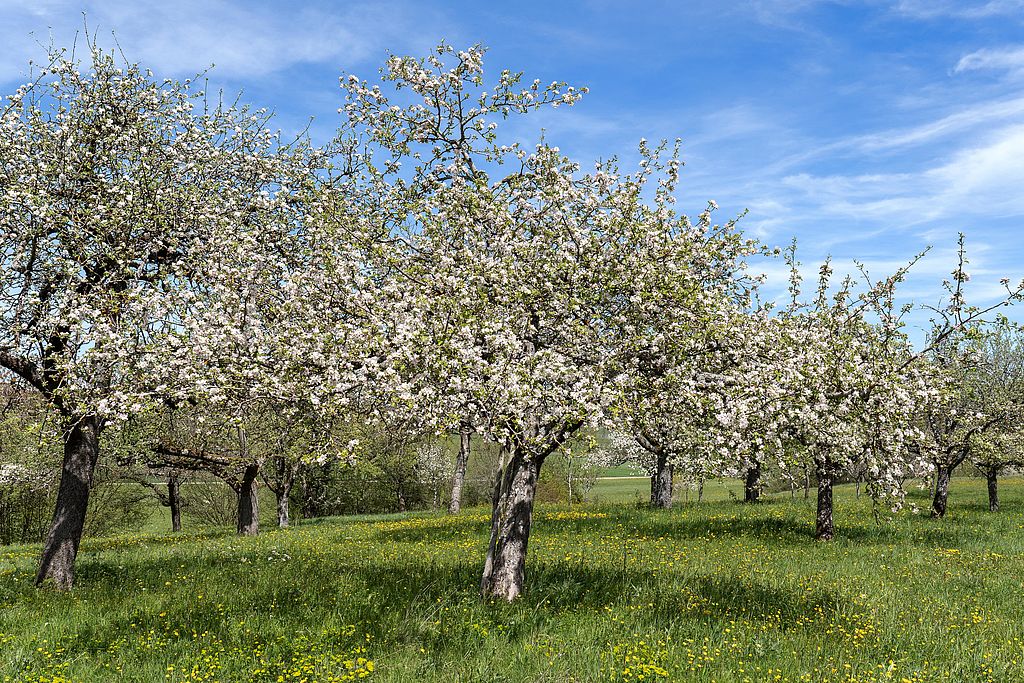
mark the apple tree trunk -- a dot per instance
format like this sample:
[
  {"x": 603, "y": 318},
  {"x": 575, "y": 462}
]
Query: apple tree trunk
[
  {"x": 174, "y": 500},
  {"x": 824, "y": 530},
  {"x": 752, "y": 484},
  {"x": 992, "y": 477},
  {"x": 939, "y": 503},
  {"x": 512, "y": 515},
  {"x": 248, "y": 503},
  {"x": 661, "y": 482},
  {"x": 81, "y": 450},
  {"x": 459, "y": 479}
]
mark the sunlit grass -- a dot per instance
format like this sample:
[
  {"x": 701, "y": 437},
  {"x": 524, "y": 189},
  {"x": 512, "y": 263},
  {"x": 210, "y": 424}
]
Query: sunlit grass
[
  {"x": 715, "y": 592},
  {"x": 633, "y": 489}
]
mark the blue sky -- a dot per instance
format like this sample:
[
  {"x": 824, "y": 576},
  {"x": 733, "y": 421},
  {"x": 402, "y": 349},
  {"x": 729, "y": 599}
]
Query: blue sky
[{"x": 867, "y": 130}]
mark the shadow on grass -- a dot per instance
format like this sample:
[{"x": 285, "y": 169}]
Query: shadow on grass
[
  {"x": 786, "y": 524},
  {"x": 418, "y": 601},
  {"x": 558, "y": 590}
]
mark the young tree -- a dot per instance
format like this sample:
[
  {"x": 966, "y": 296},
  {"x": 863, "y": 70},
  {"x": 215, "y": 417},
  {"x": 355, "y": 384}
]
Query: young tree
[
  {"x": 461, "y": 463},
  {"x": 1002, "y": 449},
  {"x": 169, "y": 498},
  {"x": 749, "y": 433},
  {"x": 853, "y": 382},
  {"x": 993, "y": 454},
  {"x": 674, "y": 396},
  {"x": 973, "y": 415},
  {"x": 290, "y": 438},
  {"x": 962, "y": 410},
  {"x": 280, "y": 479},
  {"x": 434, "y": 469}
]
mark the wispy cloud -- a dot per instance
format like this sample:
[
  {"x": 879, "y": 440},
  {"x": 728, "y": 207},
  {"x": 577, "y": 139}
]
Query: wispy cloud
[
  {"x": 1009, "y": 58},
  {"x": 976, "y": 180},
  {"x": 242, "y": 40},
  {"x": 973, "y": 117},
  {"x": 851, "y": 124},
  {"x": 965, "y": 9}
]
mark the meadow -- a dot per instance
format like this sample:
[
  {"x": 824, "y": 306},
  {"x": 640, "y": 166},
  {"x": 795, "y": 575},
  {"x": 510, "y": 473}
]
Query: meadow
[{"x": 716, "y": 591}]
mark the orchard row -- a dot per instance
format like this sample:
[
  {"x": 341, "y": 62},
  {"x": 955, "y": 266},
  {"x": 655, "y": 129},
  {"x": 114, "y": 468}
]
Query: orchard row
[{"x": 175, "y": 270}]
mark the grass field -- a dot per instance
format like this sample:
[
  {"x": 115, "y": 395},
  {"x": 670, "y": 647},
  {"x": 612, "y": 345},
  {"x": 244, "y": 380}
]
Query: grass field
[
  {"x": 628, "y": 487},
  {"x": 711, "y": 592}
]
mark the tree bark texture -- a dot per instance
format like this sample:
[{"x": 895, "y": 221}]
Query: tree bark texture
[
  {"x": 992, "y": 477},
  {"x": 81, "y": 450},
  {"x": 752, "y": 484},
  {"x": 174, "y": 500},
  {"x": 661, "y": 483},
  {"x": 485, "y": 581},
  {"x": 824, "y": 529},
  {"x": 283, "y": 495},
  {"x": 943, "y": 473},
  {"x": 512, "y": 516},
  {"x": 459, "y": 479},
  {"x": 248, "y": 503}
]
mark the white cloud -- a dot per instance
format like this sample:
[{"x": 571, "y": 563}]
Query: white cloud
[
  {"x": 988, "y": 177},
  {"x": 978, "y": 180},
  {"x": 966, "y": 119},
  {"x": 1005, "y": 58},
  {"x": 184, "y": 37}
]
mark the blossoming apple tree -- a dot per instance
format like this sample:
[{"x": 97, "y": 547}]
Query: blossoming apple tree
[
  {"x": 112, "y": 183},
  {"x": 526, "y": 281}
]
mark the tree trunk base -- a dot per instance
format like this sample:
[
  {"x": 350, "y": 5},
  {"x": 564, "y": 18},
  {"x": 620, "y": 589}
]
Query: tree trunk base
[
  {"x": 459, "y": 478},
  {"x": 941, "y": 499},
  {"x": 992, "y": 479},
  {"x": 824, "y": 528},
  {"x": 752, "y": 484},
  {"x": 512, "y": 517},
  {"x": 248, "y": 503},
  {"x": 661, "y": 484},
  {"x": 60, "y": 549}
]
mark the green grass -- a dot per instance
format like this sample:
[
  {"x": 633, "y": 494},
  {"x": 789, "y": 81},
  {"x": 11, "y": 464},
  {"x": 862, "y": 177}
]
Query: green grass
[
  {"x": 713, "y": 592},
  {"x": 620, "y": 471},
  {"x": 635, "y": 489}
]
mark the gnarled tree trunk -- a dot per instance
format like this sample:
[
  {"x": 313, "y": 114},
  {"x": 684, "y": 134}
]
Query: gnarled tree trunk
[
  {"x": 248, "y": 503},
  {"x": 511, "y": 518},
  {"x": 992, "y": 477},
  {"x": 81, "y": 450},
  {"x": 943, "y": 473},
  {"x": 661, "y": 482},
  {"x": 174, "y": 500},
  {"x": 823, "y": 528},
  {"x": 752, "y": 484},
  {"x": 459, "y": 479}
]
